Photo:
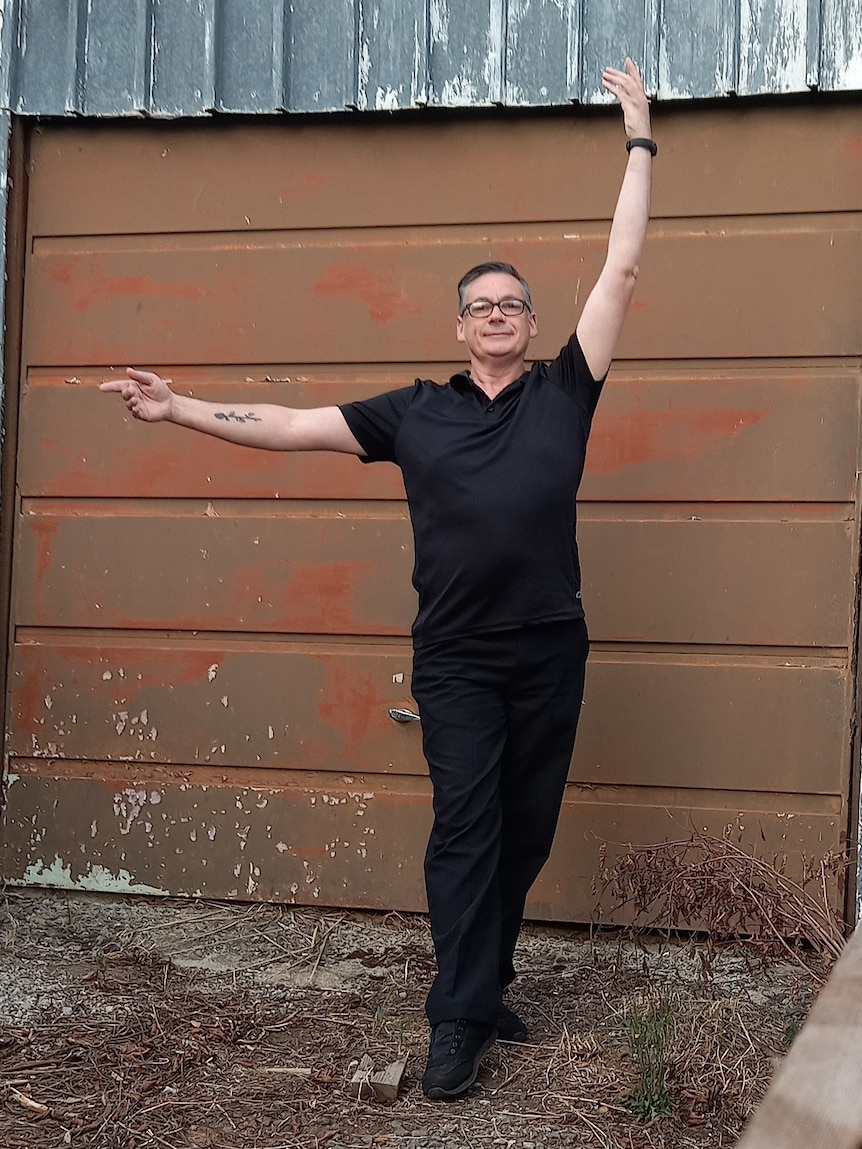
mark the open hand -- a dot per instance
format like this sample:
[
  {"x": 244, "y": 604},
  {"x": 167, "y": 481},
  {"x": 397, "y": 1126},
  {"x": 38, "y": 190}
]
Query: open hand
[
  {"x": 628, "y": 87},
  {"x": 146, "y": 395}
]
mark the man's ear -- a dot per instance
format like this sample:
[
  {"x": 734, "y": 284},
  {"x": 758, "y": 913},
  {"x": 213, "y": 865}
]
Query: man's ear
[
  {"x": 534, "y": 325},
  {"x": 459, "y": 330}
]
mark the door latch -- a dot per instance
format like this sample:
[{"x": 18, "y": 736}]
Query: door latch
[{"x": 402, "y": 714}]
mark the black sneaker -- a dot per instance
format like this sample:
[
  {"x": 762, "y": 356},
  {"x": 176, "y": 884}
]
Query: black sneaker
[
  {"x": 509, "y": 1025},
  {"x": 456, "y": 1049}
]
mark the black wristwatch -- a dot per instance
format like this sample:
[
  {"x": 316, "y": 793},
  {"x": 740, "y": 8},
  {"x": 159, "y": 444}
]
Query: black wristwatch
[{"x": 650, "y": 145}]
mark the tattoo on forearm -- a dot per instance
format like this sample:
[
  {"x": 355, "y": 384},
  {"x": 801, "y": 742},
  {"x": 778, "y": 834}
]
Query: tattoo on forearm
[{"x": 232, "y": 416}]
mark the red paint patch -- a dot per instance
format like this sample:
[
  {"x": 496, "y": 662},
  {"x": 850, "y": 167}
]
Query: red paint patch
[
  {"x": 377, "y": 293},
  {"x": 620, "y": 441},
  {"x": 45, "y": 530},
  {"x": 26, "y": 698},
  {"x": 61, "y": 272},
  {"x": 324, "y": 596},
  {"x": 105, "y": 288},
  {"x": 306, "y": 186},
  {"x": 352, "y": 703}
]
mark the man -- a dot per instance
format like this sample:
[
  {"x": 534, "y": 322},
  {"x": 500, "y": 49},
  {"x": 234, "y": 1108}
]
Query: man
[{"x": 491, "y": 464}]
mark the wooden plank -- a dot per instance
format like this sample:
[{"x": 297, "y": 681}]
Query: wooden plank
[
  {"x": 840, "y": 59},
  {"x": 114, "y": 68},
  {"x": 697, "y": 48},
  {"x": 316, "y": 80},
  {"x": 250, "y": 62},
  {"x": 472, "y": 75},
  {"x": 46, "y": 57},
  {"x": 230, "y": 300},
  {"x": 393, "y": 55},
  {"x": 814, "y": 1101},
  {"x": 182, "y": 58},
  {"x": 346, "y": 840},
  {"x": 298, "y": 166},
  {"x": 729, "y": 723},
  {"x": 774, "y": 46},
  {"x": 738, "y": 436},
  {"x": 289, "y": 569},
  {"x": 538, "y": 62},
  {"x": 612, "y": 30}
]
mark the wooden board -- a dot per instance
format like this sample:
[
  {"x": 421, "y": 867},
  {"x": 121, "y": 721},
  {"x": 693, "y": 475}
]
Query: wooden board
[{"x": 814, "y": 1101}]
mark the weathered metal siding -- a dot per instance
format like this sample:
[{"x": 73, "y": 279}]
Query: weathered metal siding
[
  {"x": 190, "y": 58},
  {"x": 193, "y": 57},
  {"x": 208, "y": 640}
]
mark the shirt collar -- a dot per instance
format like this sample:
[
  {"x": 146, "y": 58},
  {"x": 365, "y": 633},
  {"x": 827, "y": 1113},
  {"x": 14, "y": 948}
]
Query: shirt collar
[{"x": 463, "y": 382}]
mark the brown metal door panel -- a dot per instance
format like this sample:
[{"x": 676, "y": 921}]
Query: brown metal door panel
[
  {"x": 664, "y": 437},
  {"x": 392, "y": 301},
  {"x": 352, "y": 841},
  {"x": 78, "y": 442},
  {"x": 206, "y": 641},
  {"x": 703, "y": 581},
  {"x": 265, "y": 706},
  {"x": 222, "y": 567},
  {"x": 735, "y": 436},
  {"x": 227, "y": 567},
  {"x": 330, "y": 841},
  {"x": 714, "y": 722},
  {"x": 691, "y": 722},
  {"x": 589, "y": 821},
  {"x": 717, "y": 161}
]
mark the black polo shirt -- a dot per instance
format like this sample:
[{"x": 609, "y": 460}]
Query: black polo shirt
[{"x": 491, "y": 485}]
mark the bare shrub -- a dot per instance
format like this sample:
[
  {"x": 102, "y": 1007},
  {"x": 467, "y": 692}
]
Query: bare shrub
[{"x": 716, "y": 886}]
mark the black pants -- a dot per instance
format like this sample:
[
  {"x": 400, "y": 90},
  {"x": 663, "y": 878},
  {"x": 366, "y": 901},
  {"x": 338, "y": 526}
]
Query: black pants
[{"x": 499, "y": 716}]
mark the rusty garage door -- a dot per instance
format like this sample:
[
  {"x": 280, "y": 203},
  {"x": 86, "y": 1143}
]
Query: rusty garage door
[{"x": 206, "y": 641}]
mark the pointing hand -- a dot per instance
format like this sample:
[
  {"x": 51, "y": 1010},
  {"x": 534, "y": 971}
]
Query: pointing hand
[{"x": 146, "y": 395}]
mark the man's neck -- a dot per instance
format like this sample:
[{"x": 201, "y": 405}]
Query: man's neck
[{"x": 492, "y": 378}]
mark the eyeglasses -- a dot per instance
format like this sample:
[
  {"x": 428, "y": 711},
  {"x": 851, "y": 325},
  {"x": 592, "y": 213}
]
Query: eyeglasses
[{"x": 484, "y": 308}]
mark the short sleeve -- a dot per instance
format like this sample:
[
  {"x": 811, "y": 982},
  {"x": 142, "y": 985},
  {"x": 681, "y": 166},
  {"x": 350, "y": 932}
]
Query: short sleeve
[
  {"x": 569, "y": 371},
  {"x": 375, "y": 422}
]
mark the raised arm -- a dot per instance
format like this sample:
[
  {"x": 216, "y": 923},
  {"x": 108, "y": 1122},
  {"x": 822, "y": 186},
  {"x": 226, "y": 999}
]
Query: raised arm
[
  {"x": 605, "y": 310},
  {"x": 265, "y": 425}
]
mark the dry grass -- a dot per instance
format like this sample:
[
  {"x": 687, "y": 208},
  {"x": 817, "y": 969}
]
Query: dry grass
[{"x": 231, "y": 1027}]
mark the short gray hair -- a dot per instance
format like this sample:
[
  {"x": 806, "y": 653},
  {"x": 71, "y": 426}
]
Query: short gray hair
[{"x": 488, "y": 268}]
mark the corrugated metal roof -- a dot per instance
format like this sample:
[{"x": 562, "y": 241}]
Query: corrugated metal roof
[{"x": 193, "y": 57}]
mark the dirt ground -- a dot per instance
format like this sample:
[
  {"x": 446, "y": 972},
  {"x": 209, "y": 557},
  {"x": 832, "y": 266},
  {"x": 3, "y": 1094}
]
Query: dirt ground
[{"x": 166, "y": 1024}]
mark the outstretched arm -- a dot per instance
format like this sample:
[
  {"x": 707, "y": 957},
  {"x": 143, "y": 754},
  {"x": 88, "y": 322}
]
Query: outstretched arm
[
  {"x": 265, "y": 425},
  {"x": 605, "y": 310}
]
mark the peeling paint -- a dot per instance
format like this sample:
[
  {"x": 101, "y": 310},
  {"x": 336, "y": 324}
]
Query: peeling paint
[{"x": 96, "y": 878}]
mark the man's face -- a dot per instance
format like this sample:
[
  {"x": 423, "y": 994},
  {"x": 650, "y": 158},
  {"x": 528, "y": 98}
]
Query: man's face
[{"x": 497, "y": 336}]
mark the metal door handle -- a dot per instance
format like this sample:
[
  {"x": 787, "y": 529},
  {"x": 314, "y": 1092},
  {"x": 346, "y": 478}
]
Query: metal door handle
[{"x": 402, "y": 714}]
